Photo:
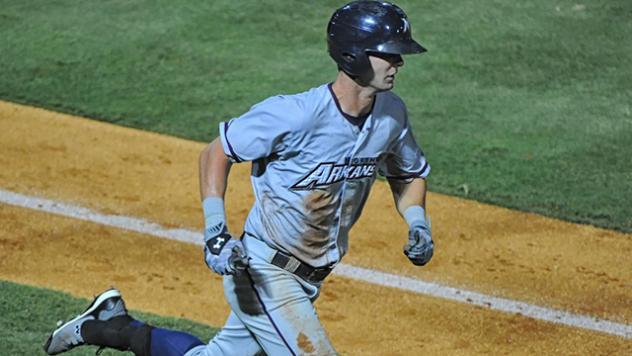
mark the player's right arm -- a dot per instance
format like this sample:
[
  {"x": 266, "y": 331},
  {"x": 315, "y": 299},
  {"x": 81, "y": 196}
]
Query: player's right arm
[
  {"x": 262, "y": 131},
  {"x": 223, "y": 254},
  {"x": 214, "y": 170}
]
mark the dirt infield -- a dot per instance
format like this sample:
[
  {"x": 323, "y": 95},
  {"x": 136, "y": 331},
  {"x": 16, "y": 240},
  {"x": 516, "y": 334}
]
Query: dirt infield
[{"x": 129, "y": 172}]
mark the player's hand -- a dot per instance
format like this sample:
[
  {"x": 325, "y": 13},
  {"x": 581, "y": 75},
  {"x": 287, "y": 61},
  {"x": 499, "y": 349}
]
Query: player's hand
[
  {"x": 420, "y": 246},
  {"x": 223, "y": 254}
]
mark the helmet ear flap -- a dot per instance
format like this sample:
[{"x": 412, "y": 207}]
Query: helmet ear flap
[
  {"x": 348, "y": 57},
  {"x": 362, "y": 68}
]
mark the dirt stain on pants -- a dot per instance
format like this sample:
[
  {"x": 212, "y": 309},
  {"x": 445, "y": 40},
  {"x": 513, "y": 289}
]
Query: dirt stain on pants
[{"x": 304, "y": 343}]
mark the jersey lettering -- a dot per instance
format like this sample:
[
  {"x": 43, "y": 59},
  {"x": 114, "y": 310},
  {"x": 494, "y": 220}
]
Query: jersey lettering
[{"x": 329, "y": 173}]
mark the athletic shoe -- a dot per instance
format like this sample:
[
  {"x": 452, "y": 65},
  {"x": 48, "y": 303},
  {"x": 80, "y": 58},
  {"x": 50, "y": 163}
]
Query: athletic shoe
[{"x": 105, "y": 306}]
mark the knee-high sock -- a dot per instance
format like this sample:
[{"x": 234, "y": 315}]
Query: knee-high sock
[
  {"x": 126, "y": 334},
  {"x": 121, "y": 333}
]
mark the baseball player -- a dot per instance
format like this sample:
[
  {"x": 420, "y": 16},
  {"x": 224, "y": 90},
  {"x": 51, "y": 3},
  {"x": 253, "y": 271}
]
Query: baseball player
[{"x": 315, "y": 156}]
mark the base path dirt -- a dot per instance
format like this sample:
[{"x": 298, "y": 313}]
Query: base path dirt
[{"x": 488, "y": 249}]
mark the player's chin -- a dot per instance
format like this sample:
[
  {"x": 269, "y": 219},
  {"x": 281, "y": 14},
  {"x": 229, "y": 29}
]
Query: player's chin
[
  {"x": 384, "y": 85},
  {"x": 388, "y": 85}
]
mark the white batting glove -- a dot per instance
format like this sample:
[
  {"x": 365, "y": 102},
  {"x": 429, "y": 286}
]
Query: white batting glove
[
  {"x": 420, "y": 247},
  {"x": 223, "y": 254}
]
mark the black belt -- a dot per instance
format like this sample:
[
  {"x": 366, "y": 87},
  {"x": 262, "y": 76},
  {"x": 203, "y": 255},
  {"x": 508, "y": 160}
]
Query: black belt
[{"x": 302, "y": 270}]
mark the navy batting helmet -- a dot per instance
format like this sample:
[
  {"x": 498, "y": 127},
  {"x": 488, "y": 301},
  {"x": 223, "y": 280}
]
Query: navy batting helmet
[{"x": 362, "y": 27}]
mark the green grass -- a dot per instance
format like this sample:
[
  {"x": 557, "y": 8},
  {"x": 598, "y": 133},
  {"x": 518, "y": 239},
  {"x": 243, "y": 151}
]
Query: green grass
[
  {"x": 522, "y": 104},
  {"x": 30, "y": 314}
]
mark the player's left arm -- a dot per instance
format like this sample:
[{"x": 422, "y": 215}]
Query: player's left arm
[
  {"x": 410, "y": 200},
  {"x": 406, "y": 168},
  {"x": 407, "y": 193}
]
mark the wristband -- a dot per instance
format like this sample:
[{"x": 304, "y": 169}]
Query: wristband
[
  {"x": 415, "y": 215},
  {"x": 213, "y": 211},
  {"x": 216, "y": 244}
]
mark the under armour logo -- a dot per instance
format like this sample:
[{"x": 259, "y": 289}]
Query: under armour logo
[{"x": 218, "y": 243}]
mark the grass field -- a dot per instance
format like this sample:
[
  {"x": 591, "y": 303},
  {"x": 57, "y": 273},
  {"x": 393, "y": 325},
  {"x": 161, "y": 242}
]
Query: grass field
[
  {"x": 29, "y": 314},
  {"x": 525, "y": 105}
]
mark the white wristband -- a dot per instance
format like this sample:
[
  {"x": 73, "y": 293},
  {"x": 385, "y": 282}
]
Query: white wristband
[
  {"x": 213, "y": 211},
  {"x": 415, "y": 215}
]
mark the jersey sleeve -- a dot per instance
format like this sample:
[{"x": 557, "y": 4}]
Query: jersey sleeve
[
  {"x": 262, "y": 131},
  {"x": 405, "y": 159}
]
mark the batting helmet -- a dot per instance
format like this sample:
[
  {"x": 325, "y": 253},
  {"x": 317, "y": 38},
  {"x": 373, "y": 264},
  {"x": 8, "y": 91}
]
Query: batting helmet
[{"x": 362, "y": 27}]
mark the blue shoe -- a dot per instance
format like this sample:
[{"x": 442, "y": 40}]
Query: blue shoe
[{"x": 105, "y": 306}]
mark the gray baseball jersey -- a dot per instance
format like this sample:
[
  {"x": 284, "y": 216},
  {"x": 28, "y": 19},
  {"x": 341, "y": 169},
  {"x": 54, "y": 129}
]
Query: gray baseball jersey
[{"x": 313, "y": 167}]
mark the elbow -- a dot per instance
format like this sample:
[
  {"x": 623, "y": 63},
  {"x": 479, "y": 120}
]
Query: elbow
[
  {"x": 206, "y": 154},
  {"x": 208, "y": 149},
  {"x": 213, "y": 155}
]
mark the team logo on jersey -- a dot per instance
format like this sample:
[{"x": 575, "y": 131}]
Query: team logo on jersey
[{"x": 328, "y": 173}]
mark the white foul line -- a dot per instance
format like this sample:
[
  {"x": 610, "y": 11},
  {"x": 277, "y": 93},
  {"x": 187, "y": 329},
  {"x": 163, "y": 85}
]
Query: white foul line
[{"x": 345, "y": 270}]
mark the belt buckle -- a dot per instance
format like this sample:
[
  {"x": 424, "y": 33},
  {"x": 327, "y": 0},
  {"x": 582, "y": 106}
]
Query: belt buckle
[
  {"x": 310, "y": 276},
  {"x": 318, "y": 274}
]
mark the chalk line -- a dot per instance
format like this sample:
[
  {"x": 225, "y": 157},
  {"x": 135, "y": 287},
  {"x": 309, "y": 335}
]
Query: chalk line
[{"x": 345, "y": 270}]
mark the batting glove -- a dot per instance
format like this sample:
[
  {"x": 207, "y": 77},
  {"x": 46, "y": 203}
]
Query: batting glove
[
  {"x": 420, "y": 246},
  {"x": 223, "y": 254}
]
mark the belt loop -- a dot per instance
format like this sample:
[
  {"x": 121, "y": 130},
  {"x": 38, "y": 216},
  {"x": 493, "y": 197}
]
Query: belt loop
[{"x": 292, "y": 264}]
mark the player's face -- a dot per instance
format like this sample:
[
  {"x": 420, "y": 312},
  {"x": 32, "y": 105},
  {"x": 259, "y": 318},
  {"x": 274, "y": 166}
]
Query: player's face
[{"x": 385, "y": 67}]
